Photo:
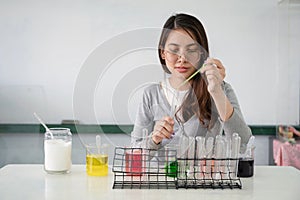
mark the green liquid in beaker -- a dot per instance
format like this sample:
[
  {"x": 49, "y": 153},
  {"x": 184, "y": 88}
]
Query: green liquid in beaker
[{"x": 171, "y": 169}]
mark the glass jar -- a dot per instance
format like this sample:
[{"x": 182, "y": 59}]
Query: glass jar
[{"x": 58, "y": 151}]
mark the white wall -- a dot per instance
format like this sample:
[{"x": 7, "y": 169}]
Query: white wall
[{"x": 47, "y": 45}]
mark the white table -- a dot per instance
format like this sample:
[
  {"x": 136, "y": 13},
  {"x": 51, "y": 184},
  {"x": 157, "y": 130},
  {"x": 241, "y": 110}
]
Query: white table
[{"x": 31, "y": 182}]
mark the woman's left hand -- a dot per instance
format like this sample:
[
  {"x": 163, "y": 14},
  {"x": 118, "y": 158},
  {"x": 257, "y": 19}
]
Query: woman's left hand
[{"x": 215, "y": 74}]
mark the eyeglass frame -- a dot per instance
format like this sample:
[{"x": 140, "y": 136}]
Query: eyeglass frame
[{"x": 178, "y": 55}]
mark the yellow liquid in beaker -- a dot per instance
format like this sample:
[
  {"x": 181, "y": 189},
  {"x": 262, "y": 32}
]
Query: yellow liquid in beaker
[{"x": 97, "y": 165}]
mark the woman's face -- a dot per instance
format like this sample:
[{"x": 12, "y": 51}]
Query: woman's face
[{"x": 181, "y": 54}]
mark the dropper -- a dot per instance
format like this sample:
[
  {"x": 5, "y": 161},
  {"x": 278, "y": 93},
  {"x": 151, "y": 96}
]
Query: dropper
[
  {"x": 98, "y": 143},
  {"x": 44, "y": 125},
  {"x": 191, "y": 76},
  {"x": 173, "y": 107}
]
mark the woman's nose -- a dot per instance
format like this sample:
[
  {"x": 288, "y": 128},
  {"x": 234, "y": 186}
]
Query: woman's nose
[{"x": 182, "y": 58}]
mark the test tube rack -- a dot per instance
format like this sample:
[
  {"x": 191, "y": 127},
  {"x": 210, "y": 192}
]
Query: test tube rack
[{"x": 139, "y": 168}]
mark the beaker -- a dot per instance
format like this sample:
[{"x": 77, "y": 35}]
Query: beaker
[
  {"x": 97, "y": 160},
  {"x": 246, "y": 164}
]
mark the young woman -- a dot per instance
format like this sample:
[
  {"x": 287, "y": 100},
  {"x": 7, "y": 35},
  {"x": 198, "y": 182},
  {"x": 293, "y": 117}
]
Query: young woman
[{"x": 204, "y": 105}]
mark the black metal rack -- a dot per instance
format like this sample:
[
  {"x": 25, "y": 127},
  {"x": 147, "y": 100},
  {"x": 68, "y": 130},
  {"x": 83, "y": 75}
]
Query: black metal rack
[
  {"x": 208, "y": 173},
  {"x": 138, "y": 168}
]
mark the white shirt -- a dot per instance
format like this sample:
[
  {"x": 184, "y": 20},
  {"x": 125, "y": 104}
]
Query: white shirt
[{"x": 174, "y": 97}]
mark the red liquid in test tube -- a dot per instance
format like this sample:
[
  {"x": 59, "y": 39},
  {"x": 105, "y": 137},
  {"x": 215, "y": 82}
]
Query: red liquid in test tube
[{"x": 134, "y": 162}]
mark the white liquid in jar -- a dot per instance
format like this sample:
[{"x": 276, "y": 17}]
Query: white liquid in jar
[{"x": 57, "y": 155}]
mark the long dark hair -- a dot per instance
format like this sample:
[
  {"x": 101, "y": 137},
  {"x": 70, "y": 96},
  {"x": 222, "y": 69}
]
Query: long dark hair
[{"x": 198, "y": 99}]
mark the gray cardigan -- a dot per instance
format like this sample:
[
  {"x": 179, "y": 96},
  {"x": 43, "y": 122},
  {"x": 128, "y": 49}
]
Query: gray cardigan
[{"x": 154, "y": 107}]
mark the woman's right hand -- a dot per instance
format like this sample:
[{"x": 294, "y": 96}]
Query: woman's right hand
[
  {"x": 293, "y": 130},
  {"x": 163, "y": 129}
]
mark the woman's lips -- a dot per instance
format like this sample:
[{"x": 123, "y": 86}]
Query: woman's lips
[{"x": 181, "y": 69}]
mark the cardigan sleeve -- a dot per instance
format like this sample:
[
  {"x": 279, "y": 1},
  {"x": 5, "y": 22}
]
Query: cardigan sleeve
[
  {"x": 144, "y": 120},
  {"x": 236, "y": 123}
]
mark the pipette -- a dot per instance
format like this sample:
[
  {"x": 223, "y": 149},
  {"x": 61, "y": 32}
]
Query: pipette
[
  {"x": 98, "y": 143},
  {"x": 194, "y": 74},
  {"x": 191, "y": 76},
  {"x": 175, "y": 96}
]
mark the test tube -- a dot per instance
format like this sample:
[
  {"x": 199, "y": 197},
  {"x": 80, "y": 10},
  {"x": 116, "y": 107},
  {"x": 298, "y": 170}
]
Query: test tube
[
  {"x": 209, "y": 161},
  {"x": 218, "y": 155},
  {"x": 200, "y": 155},
  {"x": 171, "y": 164},
  {"x": 191, "y": 157},
  {"x": 227, "y": 163},
  {"x": 134, "y": 156},
  {"x": 235, "y": 149},
  {"x": 145, "y": 153},
  {"x": 182, "y": 154},
  {"x": 228, "y": 144}
]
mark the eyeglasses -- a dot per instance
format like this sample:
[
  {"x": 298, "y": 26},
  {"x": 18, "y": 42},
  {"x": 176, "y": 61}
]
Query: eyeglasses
[{"x": 193, "y": 56}]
